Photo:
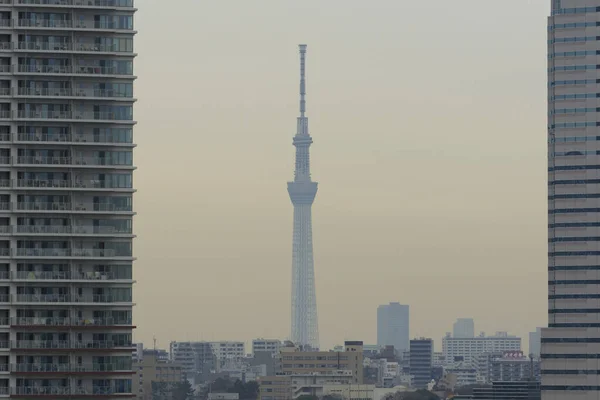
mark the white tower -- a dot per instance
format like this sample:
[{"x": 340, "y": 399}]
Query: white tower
[{"x": 305, "y": 324}]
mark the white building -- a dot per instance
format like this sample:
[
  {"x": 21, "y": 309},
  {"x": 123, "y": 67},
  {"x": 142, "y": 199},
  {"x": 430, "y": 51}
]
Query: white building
[
  {"x": 469, "y": 348},
  {"x": 464, "y": 373},
  {"x": 228, "y": 350},
  {"x": 66, "y": 187},
  {"x": 535, "y": 342},
  {"x": 463, "y": 328},
  {"x": 571, "y": 343},
  {"x": 393, "y": 326},
  {"x": 270, "y": 345}
]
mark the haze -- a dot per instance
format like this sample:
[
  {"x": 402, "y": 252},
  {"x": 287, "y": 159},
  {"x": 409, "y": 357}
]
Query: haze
[{"x": 428, "y": 120}]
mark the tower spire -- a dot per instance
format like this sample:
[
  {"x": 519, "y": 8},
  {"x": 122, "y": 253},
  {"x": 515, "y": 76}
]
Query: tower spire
[{"x": 302, "y": 79}]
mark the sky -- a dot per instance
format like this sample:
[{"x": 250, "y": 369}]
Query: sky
[{"x": 429, "y": 128}]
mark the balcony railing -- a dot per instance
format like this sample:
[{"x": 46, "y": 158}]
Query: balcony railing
[
  {"x": 69, "y": 391},
  {"x": 76, "y": 47},
  {"x": 50, "y": 368},
  {"x": 65, "y": 344},
  {"x": 67, "y": 161},
  {"x": 42, "y": 206},
  {"x": 65, "y": 138},
  {"x": 64, "y": 24},
  {"x": 66, "y": 275},
  {"x": 54, "y": 183},
  {"x": 57, "y": 321},
  {"x": 67, "y": 69},
  {"x": 67, "y": 115},
  {"x": 65, "y": 92},
  {"x": 94, "y": 253},
  {"x": 70, "y": 230},
  {"x": 86, "y": 3},
  {"x": 65, "y": 298}
]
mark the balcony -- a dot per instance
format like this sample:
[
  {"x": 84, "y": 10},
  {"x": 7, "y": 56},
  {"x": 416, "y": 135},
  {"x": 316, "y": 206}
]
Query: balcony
[
  {"x": 65, "y": 298},
  {"x": 67, "y": 276},
  {"x": 61, "y": 139},
  {"x": 68, "y": 70},
  {"x": 64, "y": 184},
  {"x": 70, "y": 345},
  {"x": 67, "y": 116},
  {"x": 77, "y": 24},
  {"x": 82, "y": 208},
  {"x": 82, "y": 3},
  {"x": 58, "y": 391},
  {"x": 68, "y": 162},
  {"x": 83, "y": 94},
  {"x": 60, "y": 230},
  {"x": 48, "y": 47},
  {"x": 42, "y": 322},
  {"x": 70, "y": 368}
]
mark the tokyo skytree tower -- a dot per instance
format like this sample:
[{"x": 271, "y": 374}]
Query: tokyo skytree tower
[{"x": 302, "y": 191}]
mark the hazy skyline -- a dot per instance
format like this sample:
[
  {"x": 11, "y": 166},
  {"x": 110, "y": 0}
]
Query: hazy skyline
[{"x": 429, "y": 129}]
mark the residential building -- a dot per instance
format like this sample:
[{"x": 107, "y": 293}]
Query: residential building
[
  {"x": 464, "y": 374},
  {"x": 535, "y": 342},
  {"x": 371, "y": 350},
  {"x": 463, "y": 328},
  {"x": 421, "y": 361},
  {"x": 438, "y": 359},
  {"x": 393, "y": 325},
  {"x": 467, "y": 349},
  {"x": 513, "y": 367},
  {"x": 270, "y": 345},
  {"x": 66, "y": 165},
  {"x": 571, "y": 343},
  {"x": 196, "y": 359},
  {"x": 294, "y": 361},
  {"x": 316, "y": 384},
  {"x": 155, "y": 376},
  {"x": 228, "y": 350},
  {"x": 524, "y": 390}
]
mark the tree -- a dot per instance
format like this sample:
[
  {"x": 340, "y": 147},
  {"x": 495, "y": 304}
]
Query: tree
[{"x": 182, "y": 391}]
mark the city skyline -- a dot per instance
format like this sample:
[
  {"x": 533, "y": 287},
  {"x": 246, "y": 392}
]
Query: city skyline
[{"x": 415, "y": 163}]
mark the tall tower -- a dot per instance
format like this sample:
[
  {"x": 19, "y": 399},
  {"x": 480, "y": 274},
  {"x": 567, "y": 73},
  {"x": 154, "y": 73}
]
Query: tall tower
[
  {"x": 305, "y": 324},
  {"x": 570, "y": 346}
]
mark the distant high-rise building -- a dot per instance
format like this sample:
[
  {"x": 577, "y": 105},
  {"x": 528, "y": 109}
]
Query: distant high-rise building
[
  {"x": 421, "y": 361},
  {"x": 463, "y": 328},
  {"x": 570, "y": 346},
  {"x": 393, "y": 326},
  {"x": 302, "y": 191},
  {"x": 535, "y": 342}
]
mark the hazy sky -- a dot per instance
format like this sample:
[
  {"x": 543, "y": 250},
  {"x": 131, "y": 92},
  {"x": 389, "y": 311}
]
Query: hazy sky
[{"x": 428, "y": 120}]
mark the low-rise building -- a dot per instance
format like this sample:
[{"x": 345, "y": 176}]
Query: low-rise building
[
  {"x": 464, "y": 374},
  {"x": 421, "y": 361},
  {"x": 270, "y": 345},
  {"x": 154, "y": 375},
  {"x": 277, "y": 387},
  {"x": 228, "y": 350}
]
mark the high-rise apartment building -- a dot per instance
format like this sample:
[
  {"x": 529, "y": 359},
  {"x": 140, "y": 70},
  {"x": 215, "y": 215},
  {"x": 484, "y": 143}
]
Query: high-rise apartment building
[
  {"x": 463, "y": 328},
  {"x": 66, "y": 165},
  {"x": 393, "y": 326},
  {"x": 468, "y": 349},
  {"x": 571, "y": 343},
  {"x": 421, "y": 361}
]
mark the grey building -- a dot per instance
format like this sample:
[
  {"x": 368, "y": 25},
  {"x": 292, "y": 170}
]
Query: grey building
[
  {"x": 393, "y": 326},
  {"x": 463, "y": 328},
  {"x": 66, "y": 187},
  {"x": 421, "y": 361},
  {"x": 197, "y": 359},
  {"x": 525, "y": 390}
]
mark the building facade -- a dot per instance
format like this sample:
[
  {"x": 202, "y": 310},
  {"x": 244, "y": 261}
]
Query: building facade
[
  {"x": 571, "y": 343},
  {"x": 535, "y": 343},
  {"x": 269, "y": 345},
  {"x": 228, "y": 351},
  {"x": 197, "y": 359},
  {"x": 421, "y": 361},
  {"x": 393, "y": 326},
  {"x": 297, "y": 362},
  {"x": 66, "y": 187},
  {"x": 468, "y": 349},
  {"x": 463, "y": 328},
  {"x": 155, "y": 377}
]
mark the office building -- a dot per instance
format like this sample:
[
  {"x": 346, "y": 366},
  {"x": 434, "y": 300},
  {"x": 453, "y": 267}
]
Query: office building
[
  {"x": 467, "y": 349},
  {"x": 294, "y": 361},
  {"x": 514, "y": 367},
  {"x": 421, "y": 361},
  {"x": 571, "y": 343},
  {"x": 66, "y": 164},
  {"x": 155, "y": 376},
  {"x": 302, "y": 191},
  {"x": 464, "y": 374},
  {"x": 228, "y": 350},
  {"x": 535, "y": 342},
  {"x": 393, "y": 326},
  {"x": 463, "y": 328},
  {"x": 269, "y": 345}
]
